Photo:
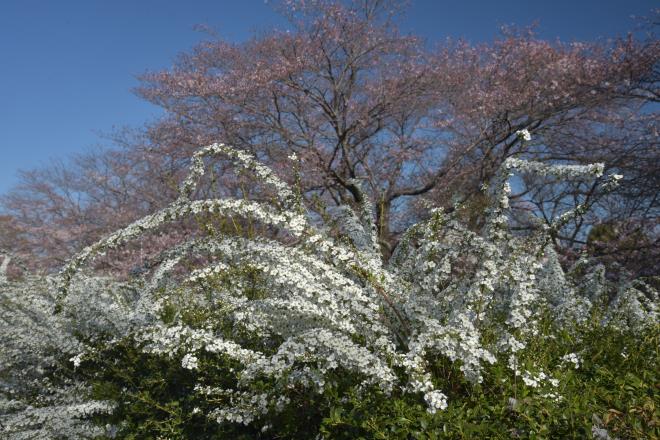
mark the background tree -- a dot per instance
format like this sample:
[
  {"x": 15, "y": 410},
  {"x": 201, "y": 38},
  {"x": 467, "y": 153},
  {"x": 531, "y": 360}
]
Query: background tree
[{"x": 360, "y": 103}]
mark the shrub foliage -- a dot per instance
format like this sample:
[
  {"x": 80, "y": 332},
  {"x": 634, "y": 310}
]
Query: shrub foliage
[{"x": 275, "y": 323}]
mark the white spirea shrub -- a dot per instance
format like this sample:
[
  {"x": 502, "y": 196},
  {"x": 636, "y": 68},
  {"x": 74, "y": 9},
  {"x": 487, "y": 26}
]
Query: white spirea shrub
[
  {"x": 295, "y": 305},
  {"x": 39, "y": 397}
]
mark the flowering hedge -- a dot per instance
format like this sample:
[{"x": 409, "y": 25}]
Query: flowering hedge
[{"x": 298, "y": 332}]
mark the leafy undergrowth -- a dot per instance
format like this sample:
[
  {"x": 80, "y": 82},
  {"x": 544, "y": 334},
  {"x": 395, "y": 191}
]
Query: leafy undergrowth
[{"x": 616, "y": 387}]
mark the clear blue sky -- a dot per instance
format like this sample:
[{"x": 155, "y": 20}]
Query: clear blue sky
[{"x": 68, "y": 66}]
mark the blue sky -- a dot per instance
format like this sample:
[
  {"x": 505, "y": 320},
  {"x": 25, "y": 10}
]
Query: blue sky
[{"x": 68, "y": 66}]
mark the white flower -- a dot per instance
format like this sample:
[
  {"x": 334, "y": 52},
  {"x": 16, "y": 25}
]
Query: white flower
[
  {"x": 435, "y": 401},
  {"x": 530, "y": 380},
  {"x": 524, "y": 135},
  {"x": 77, "y": 359},
  {"x": 189, "y": 362},
  {"x": 573, "y": 358}
]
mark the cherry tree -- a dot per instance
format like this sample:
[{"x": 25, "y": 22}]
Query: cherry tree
[{"x": 359, "y": 103}]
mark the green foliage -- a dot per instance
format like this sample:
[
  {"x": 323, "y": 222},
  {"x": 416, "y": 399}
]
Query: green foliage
[{"x": 616, "y": 387}]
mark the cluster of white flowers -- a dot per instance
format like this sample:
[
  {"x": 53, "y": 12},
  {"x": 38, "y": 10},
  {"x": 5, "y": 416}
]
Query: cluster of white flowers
[
  {"x": 538, "y": 380},
  {"x": 572, "y": 358},
  {"x": 524, "y": 134},
  {"x": 316, "y": 305},
  {"x": 189, "y": 362},
  {"x": 436, "y": 401},
  {"x": 3, "y": 267},
  {"x": 39, "y": 397}
]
